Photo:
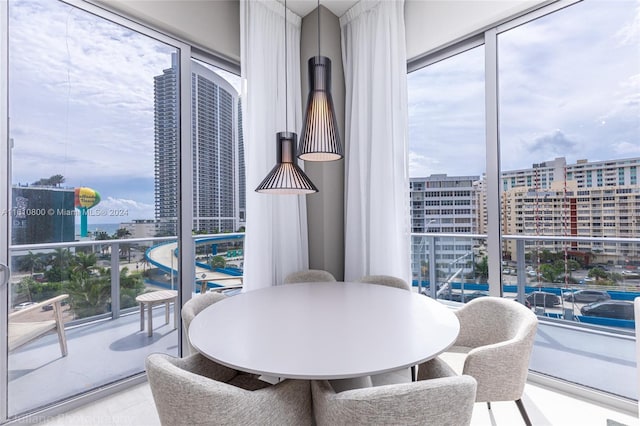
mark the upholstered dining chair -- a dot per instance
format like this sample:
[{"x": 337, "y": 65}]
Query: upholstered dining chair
[
  {"x": 494, "y": 346},
  {"x": 194, "y": 306},
  {"x": 309, "y": 276},
  {"x": 197, "y": 391},
  {"x": 441, "y": 397},
  {"x": 387, "y": 280}
]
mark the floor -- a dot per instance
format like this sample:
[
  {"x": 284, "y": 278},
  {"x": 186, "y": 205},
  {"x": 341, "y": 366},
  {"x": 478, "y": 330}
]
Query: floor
[
  {"x": 135, "y": 407},
  {"x": 99, "y": 354}
]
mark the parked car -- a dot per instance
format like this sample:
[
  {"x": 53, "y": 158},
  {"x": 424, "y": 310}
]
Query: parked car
[
  {"x": 619, "y": 309},
  {"x": 587, "y": 296},
  {"x": 543, "y": 298},
  {"x": 468, "y": 296},
  {"x": 23, "y": 305}
]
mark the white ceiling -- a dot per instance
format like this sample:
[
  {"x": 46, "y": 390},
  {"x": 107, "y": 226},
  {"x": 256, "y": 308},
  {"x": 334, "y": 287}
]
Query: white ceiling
[{"x": 304, "y": 7}]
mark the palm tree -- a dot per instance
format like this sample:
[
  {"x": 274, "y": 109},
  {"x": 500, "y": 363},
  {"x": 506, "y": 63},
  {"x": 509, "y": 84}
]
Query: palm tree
[
  {"x": 84, "y": 263},
  {"x": 59, "y": 261},
  {"x": 56, "y": 180},
  {"x": 31, "y": 262},
  {"x": 122, "y": 233}
]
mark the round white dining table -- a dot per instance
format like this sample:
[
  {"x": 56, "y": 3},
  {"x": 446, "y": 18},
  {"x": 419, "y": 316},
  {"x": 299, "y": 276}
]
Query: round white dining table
[{"x": 331, "y": 330}]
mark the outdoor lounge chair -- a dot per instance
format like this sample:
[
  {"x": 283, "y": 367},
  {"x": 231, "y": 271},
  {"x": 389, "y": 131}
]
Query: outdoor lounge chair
[{"x": 23, "y": 331}]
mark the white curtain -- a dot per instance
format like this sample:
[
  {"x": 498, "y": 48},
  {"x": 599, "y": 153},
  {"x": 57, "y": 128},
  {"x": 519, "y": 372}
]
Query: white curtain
[
  {"x": 276, "y": 241},
  {"x": 377, "y": 186}
]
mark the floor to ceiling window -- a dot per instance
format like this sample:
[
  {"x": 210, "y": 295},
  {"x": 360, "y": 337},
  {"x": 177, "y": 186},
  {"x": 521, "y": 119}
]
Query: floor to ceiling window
[
  {"x": 87, "y": 224},
  {"x": 447, "y": 163},
  {"x": 564, "y": 163},
  {"x": 569, "y": 153}
]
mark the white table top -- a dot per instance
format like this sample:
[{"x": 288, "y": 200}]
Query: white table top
[{"x": 323, "y": 330}]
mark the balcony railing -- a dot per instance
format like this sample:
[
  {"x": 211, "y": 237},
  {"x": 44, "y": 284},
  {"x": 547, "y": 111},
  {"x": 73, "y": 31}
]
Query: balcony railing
[{"x": 214, "y": 268}]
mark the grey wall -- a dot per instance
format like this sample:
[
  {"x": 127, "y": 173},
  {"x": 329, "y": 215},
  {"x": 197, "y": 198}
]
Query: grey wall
[
  {"x": 325, "y": 210},
  {"x": 430, "y": 25},
  {"x": 213, "y": 25}
]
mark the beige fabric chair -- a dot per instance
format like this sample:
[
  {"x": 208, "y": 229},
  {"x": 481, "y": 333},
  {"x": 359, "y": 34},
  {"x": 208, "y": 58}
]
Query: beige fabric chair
[
  {"x": 389, "y": 281},
  {"x": 194, "y": 306},
  {"x": 309, "y": 276},
  {"x": 494, "y": 346},
  {"x": 196, "y": 391},
  {"x": 22, "y": 330},
  {"x": 386, "y": 280},
  {"x": 441, "y": 398}
]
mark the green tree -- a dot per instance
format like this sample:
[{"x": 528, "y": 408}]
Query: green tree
[
  {"x": 218, "y": 262},
  {"x": 597, "y": 273},
  {"x": 89, "y": 295},
  {"x": 121, "y": 233},
  {"x": 482, "y": 269},
  {"x": 56, "y": 180},
  {"x": 24, "y": 288},
  {"x": 101, "y": 236},
  {"x": 59, "y": 265},
  {"x": 548, "y": 273},
  {"x": 31, "y": 262},
  {"x": 131, "y": 285},
  {"x": 84, "y": 264}
]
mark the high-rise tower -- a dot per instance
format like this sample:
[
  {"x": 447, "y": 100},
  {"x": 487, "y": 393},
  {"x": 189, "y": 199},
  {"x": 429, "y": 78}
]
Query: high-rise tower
[{"x": 216, "y": 139}]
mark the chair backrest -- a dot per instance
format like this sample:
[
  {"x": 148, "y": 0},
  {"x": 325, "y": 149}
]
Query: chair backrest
[
  {"x": 489, "y": 320},
  {"x": 191, "y": 391},
  {"x": 22, "y": 329},
  {"x": 194, "y": 306},
  {"x": 387, "y": 280},
  {"x": 309, "y": 276},
  {"x": 440, "y": 401},
  {"x": 500, "y": 370}
]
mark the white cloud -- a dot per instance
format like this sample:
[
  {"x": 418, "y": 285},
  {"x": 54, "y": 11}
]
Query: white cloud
[
  {"x": 118, "y": 210},
  {"x": 569, "y": 86},
  {"x": 81, "y": 93},
  {"x": 627, "y": 149},
  {"x": 422, "y": 166}
]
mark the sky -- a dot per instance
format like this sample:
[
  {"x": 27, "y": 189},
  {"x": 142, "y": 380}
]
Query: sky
[
  {"x": 81, "y": 98},
  {"x": 569, "y": 86},
  {"x": 81, "y": 103}
]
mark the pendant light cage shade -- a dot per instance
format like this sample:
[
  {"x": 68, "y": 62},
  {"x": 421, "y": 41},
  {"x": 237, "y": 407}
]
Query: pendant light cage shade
[
  {"x": 320, "y": 139},
  {"x": 286, "y": 177}
]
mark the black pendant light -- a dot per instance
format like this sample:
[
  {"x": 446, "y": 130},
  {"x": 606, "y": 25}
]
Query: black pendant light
[
  {"x": 286, "y": 177},
  {"x": 320, "y": 140}
]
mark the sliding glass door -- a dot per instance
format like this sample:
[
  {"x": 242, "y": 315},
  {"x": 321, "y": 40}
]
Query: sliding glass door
[{"x": 90, "y": 197}]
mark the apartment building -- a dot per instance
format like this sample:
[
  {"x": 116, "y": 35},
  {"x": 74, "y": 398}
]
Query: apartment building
[
  {"x": 217, "y": 151},
  {"x": 445, "y": 204},
  {"x": 586, "y": 174},
  {"x": 140, "y": 228},
  {"x": 586, "y": 199}
]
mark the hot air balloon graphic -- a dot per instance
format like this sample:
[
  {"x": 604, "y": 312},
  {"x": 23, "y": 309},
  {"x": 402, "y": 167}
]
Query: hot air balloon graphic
[{"x": 85, "y": 198}]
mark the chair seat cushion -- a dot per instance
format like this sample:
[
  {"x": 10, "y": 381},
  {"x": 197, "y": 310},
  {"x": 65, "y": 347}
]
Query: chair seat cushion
[
  {"x": 23, "y": 332},
  {"x": 455, "y": 356}
]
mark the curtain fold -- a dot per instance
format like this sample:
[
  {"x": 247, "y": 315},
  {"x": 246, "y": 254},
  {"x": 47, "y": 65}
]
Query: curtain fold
[
  {"x": 276, "y": 241},
  {"x": 377, "y": 232}
]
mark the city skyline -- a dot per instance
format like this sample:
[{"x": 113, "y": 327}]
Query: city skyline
[{"x": 90, "y": 116}]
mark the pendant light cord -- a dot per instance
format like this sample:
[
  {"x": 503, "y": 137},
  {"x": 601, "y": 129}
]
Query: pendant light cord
[
  {"x": 318, "y": 28},
  {"x": 286, "y": 93}
]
